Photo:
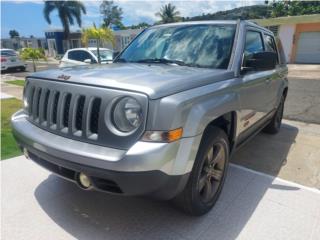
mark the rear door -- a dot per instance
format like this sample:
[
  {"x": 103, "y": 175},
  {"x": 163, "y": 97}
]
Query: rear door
[{"x": 275, "y": 80}]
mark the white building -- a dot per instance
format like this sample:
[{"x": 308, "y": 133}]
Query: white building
[{"x": 300, "y": 36}]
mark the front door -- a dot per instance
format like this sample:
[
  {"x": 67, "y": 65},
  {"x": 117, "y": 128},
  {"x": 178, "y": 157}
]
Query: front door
[{"x": 255, "y": 104}]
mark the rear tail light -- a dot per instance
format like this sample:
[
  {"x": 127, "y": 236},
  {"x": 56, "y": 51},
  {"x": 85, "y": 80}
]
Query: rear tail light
[{"x": 3, "y": 59}]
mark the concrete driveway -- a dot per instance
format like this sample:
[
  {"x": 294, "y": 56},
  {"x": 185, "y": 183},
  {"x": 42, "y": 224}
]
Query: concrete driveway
[
  {"x": 39, "y": 205},
  {"x": 303, "y": 101}
]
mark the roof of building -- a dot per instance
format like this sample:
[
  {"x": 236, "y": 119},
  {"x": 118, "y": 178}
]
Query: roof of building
[{"x": 314, "y": 18}]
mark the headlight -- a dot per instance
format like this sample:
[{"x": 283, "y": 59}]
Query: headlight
[{"x": 127, "y": 114}]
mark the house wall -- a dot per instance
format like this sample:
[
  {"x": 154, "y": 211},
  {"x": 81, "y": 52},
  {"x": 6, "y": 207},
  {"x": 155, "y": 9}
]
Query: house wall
[{"x": 286, "y": 35}]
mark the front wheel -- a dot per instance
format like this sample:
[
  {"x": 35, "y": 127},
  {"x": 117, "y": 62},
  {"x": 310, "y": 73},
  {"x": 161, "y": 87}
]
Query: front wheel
[{"x": 208, "y": 174}]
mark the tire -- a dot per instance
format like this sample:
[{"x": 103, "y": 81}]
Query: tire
[
  {"x": 22, "y": 69},
  {"x": 207, "y": 178},
  {"x": 275, "y": 124}
]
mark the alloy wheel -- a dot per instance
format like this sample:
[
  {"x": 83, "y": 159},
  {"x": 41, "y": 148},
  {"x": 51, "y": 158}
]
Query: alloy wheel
[{"x": 212, "y": 172}]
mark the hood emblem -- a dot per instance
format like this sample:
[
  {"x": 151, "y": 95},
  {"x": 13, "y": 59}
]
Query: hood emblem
[{"x": 64, "y": 77}]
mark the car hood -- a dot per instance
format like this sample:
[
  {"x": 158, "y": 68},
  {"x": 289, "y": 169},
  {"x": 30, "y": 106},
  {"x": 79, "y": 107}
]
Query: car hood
[{"x": 155, "y": 80}]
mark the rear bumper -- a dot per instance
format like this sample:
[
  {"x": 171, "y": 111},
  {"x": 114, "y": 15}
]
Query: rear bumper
[{"x": 156, "y": 169}]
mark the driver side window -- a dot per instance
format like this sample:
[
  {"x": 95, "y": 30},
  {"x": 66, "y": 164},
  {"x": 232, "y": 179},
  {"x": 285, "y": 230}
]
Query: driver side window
[{"x": 253, "y": 44}]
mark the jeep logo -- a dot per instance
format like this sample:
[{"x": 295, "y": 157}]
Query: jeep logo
[{"x": 64, "y": 77}]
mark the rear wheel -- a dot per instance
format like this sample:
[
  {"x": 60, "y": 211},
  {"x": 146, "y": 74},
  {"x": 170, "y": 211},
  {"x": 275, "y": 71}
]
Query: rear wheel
[
  {"x": 208, "y": 174},
  {"x": 274, "y": 126}
]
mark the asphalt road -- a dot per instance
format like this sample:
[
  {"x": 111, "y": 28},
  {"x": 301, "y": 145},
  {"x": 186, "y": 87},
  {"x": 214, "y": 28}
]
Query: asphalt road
[{"x": 303, "y": 101}]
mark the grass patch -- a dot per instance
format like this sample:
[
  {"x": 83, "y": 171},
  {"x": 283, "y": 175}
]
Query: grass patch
[
  {"x": 17, "y": 82},
  {"x": 9, "y": 147}
]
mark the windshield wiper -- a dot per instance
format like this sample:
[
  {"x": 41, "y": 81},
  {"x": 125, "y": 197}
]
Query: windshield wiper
[
  {"x": 162, "y": 60},
  {"x": 120, "y": 60}
]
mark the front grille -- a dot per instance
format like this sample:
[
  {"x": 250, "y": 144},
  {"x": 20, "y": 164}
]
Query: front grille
[{"x": 64, "y": 112}]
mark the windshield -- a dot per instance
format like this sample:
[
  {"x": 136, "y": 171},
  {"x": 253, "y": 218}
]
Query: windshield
[
  {"x": 206, "y": 46},
  {"x": 105, "y": 55}
]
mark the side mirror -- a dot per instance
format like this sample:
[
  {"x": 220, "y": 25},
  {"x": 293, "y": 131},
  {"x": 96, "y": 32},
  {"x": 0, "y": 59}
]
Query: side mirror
[
  {"x": 261, "y": 61},
  {"x": 87, "y": 61}
]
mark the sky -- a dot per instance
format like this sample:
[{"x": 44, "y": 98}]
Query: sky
[{"x": 27, "y": 16}]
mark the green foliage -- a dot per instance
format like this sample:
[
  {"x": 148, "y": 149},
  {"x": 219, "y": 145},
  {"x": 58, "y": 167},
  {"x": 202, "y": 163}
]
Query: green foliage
[
  {"x": 32, "y": 54},
  {"x": 67, "y": 12},
  {"x": 111, "y": 14},
  {"x": 248, "y": 12},
  {"x": 13, "y": 33},
  {"x": 9, "y": 147},
  {"x": 100, "y": 34},
  {"x": 168, "y": 14},
  {"x": 294, "y": 8},
  {"x": 17, "y": 82},
  {"x": 140, "y": 25}
]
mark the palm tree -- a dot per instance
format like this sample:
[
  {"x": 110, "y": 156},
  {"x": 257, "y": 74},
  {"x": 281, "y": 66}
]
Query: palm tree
[
  {"x": 33, "y": 54},
  {"x": 67, "y": 11},
  {"x": 168, "y": 14},
  {"x": 99, "y": 34}
]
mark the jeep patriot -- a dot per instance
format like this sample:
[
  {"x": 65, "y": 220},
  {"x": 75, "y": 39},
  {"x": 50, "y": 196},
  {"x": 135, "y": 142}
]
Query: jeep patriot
[{"x": 164, "y": 118}]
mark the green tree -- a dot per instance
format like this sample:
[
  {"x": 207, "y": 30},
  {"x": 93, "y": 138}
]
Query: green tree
[
  {"x": 100, "y": 35},
  {"x": 67, "y": 11},
  {"x": 32, "y": 54},
  {"x": 168, "y": 14},
  {"x": 140, "y": 25},
  {"x": 293, "y": 8},
  {"x": 111, "y": 14},
  {"x": 13, "y": 33}
]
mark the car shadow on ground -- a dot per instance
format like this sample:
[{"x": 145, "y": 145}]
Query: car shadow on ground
[{"x": 96, "y": 215}]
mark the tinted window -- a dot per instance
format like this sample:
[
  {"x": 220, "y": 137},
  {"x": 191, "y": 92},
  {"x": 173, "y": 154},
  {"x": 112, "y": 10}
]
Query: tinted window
[
  {"x": 270, "y": 44},
  {"x": 194, "y": 45},
  {"x": 8, "y": 53},
  {"x": 105, "y": 55},
  {"x": 254, "y": 43},
  {"x": 79, "y": 55}
]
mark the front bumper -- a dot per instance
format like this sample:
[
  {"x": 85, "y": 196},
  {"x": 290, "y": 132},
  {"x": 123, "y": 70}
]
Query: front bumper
[{"x": 157, "y": 169}]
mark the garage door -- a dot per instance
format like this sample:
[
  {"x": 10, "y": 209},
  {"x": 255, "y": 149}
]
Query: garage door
[{"x": 308, "y": 50}]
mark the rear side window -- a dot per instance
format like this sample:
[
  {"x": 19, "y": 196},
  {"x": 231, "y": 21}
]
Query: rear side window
[
  {"x": 270, "y": 44},
  {"x": 79, "y": 55}
]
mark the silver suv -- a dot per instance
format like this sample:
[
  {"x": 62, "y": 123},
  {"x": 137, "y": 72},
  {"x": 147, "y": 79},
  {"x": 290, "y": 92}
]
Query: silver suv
[{"x": 164, "y": 118}]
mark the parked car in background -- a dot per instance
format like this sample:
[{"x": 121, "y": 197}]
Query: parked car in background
[
  {"x": 11, "y": 61},
  {"x": 83, "y": 56}
]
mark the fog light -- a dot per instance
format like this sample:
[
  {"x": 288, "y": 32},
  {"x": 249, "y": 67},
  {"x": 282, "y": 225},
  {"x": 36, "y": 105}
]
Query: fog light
[
  {"x": 84, "y": 180},
  {"x": 25, "y": 152}
]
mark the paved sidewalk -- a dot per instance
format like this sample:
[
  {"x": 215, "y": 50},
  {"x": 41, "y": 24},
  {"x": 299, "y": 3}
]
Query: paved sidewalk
[{"x": 39, "y": 205}]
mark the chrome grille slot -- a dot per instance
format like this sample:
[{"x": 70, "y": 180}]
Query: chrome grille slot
[
  {"x": 30, "y": 100},
  {"x": 94, "y": 115},
  {"x": 66, "y": 109},
  {"x": 45, "y": 107},
  {"x": 54, "y": 116},
  {"x": 78, "y": 118}
]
